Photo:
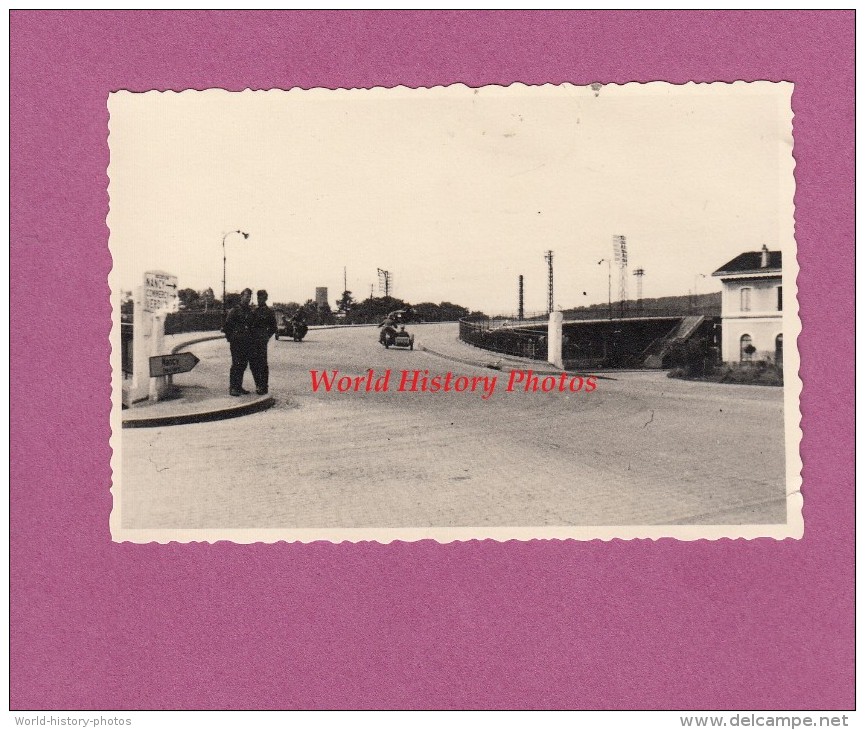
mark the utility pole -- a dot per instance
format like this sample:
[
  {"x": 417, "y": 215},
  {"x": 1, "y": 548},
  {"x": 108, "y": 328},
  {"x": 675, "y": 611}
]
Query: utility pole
[
  {"x": 521, "y": 311},
  {"x": 696, "y": 303},
  {"x": 620, "y": 253},
  {"x": 640, "y": 273},
  {"x": 384, "y": 279},
  {"x": 609, "y": 286},
  {"x": 245, "y": 236}
]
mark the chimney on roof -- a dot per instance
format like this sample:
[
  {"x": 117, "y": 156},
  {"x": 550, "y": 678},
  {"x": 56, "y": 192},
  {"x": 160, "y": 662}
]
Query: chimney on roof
[{"x": 764, "y": 257}]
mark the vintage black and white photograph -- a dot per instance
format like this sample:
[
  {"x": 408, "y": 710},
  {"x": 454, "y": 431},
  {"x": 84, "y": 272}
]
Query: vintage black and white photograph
[{"x": 454, "y": 313}]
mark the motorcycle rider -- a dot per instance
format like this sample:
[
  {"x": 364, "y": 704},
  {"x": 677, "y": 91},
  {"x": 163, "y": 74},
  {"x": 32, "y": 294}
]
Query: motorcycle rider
[
  {"x": 298, "y": 323},
  {"x": 388, "y": 329}
]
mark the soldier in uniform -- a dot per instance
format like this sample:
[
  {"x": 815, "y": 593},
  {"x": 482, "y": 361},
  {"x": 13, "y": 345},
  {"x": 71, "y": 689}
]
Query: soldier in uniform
[
  {"x": 238, "y": 332},
  {"x": 263, "y": 328},
  {"x": 299, "y": 316},
  {"x": 299, "y": 327},
  {"x": 388, "y": 329}
]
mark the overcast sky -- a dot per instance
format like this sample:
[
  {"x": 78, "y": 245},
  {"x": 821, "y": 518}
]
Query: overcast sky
[{"x": 455, "y": 191}]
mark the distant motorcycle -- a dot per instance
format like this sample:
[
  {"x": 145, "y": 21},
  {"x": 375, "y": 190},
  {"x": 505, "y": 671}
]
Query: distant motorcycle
[
  {"x": 298, "y": 331},
  {"x": 294, "y": 328},
  {"x": 390, "y": 336}
]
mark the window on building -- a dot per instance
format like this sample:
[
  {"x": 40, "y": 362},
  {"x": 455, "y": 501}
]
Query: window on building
[
  {"x": 780, "y": 300},
  {"x": 746, "y": 348},
  {"x": 745, "y": 299},
  {"x": 779, "y": 349}
]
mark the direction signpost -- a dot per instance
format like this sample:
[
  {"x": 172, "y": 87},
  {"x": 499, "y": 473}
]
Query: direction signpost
[
  {"x": 154, "y": 299},
  {"x": 160, "y": 292},
  {"x": 182, "y": 362}
]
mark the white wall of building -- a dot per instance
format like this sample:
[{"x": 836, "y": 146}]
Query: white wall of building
[{"x": 754, "y": 313}]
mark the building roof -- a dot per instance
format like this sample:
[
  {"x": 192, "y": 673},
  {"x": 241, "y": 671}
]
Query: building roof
[{"x": 749, "y": 262}]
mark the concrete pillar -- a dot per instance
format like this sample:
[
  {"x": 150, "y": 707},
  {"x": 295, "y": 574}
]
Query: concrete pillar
[
  {"x": 554, "y": 339},
  {"x": 158, "y": 386},
  {"x": 148, "y": 339},
  {"x": 142, "y": 331}
]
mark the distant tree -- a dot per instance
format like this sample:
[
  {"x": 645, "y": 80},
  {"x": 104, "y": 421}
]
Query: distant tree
[
  {"x": 207, "y": 299},
  {"x": 188, "y": 298},
  {"x": 375, "y": 309},
  {"x": 451, "y": 312},
  {"x": 345, "y": 302},
  {"x": 318, "y": 315},
  {"x": 288, "y": 307},
  {"x": 232, "y": 299},
  {"x": 427, "y": 312},
  {"x": 325, "y": 314},
  {"x": 672, "y": 306},
  {"x": 127, "y": 306}
]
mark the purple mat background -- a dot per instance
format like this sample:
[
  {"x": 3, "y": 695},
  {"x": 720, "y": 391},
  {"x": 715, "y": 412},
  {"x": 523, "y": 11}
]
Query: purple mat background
[{"x": 641, "y": 624}]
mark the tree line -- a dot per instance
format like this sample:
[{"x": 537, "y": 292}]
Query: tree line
[
  {"x": 200, "y": 310},
  {"x": 374, "y": 309}
]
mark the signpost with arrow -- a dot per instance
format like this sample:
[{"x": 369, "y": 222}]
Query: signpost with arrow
[
  {"x": 160, "y": 292},
  {"x": 153, "y": 301},
  {"x": 182, "y": 362}
]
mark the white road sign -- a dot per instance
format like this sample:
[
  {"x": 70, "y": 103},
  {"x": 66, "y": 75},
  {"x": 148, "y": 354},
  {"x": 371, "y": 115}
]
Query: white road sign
[{"x": 160, "y": 292}]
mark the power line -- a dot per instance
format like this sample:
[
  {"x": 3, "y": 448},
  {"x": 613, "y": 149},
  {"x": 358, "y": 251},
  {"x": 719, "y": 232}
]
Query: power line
[{"x": 384, "y": 282}]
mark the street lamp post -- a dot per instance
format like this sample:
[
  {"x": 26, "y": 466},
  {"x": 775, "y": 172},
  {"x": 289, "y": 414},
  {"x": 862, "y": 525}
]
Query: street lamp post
[
  {"x": 245, "y": 236},
  {"x": 697, "y": 277},
  {"x": 609, "y": 286}
]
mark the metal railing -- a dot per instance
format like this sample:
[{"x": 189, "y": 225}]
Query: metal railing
[
  {"x": 505, "y": 336},
  {"x": 126, "y": 348}
]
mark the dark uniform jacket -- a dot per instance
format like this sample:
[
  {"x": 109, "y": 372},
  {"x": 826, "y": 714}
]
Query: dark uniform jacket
[
  {"x": 263, "y": 323},
  {"x": 238, "y": 324}
]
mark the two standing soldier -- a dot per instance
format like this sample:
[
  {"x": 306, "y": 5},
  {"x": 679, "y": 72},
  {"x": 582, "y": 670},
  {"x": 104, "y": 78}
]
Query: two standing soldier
[{"x": 248, "y": 331}]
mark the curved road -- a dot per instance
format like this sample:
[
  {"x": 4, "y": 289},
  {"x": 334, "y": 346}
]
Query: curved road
[{"x": 640, "y": 449}]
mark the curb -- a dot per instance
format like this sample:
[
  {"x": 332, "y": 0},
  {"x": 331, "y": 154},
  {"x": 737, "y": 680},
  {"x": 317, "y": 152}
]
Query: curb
[
  {"x": 261, "y": 403},
  {"x": 189, "y": 343},
  {"x": 503, "y": 367},
  {"x": 511, "y": 365}
]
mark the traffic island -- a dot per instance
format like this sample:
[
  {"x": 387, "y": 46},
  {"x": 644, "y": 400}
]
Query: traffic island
[{"x": 193, "y": 404}]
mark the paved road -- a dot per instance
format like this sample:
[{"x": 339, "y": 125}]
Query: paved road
[{"x": 640, "y": 449}]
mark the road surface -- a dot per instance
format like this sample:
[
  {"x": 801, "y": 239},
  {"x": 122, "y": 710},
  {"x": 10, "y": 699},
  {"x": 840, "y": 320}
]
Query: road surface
[{"x": 642, "y": 449}]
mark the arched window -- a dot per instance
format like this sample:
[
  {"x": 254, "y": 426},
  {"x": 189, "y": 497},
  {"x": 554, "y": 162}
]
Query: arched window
[
  {"x": 779, "y": 349},
  {"x": 746, "y": 348},
  {"x": 745, "y": 299}
]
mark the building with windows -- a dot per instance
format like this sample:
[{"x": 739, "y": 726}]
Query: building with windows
[{"x": 752, "y": 303}]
